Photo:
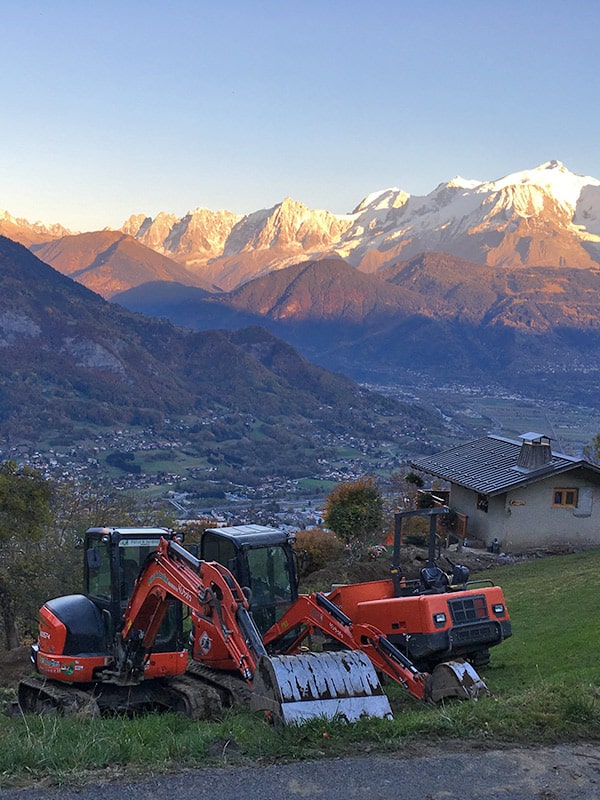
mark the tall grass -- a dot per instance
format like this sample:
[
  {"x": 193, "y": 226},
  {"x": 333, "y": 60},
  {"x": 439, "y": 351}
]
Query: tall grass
[{"x": 544, "y": 683}]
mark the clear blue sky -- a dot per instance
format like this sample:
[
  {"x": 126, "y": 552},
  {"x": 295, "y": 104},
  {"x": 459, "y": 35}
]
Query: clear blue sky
[{"x": 139, "y": 106}]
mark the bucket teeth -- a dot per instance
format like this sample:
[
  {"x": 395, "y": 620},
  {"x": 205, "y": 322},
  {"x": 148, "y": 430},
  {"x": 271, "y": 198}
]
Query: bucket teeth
[{"x": 332, "y": 684}]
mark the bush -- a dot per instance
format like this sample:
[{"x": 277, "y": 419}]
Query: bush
[
  {"x": 425, "y": 500},
  {"x": 354, "y": 511},
  {"x": 316, "y": 549}
]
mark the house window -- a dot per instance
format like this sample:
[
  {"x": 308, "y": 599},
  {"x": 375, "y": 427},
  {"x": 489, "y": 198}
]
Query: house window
[
  {"x": 566, "y": 498},
  {"x": 482, "y": 502}
]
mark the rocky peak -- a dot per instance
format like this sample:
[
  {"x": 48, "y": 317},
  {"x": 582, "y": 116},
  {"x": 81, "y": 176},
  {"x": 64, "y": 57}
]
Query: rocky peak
[{"x": 288, "y": 224}]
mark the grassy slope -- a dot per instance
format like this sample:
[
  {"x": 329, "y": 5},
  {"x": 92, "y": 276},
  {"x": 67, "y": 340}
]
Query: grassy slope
[{"x": 545, "y": 684}]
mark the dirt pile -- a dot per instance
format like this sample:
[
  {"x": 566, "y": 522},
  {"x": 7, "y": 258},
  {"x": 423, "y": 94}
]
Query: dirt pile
[{"x": 412, "y": 561}]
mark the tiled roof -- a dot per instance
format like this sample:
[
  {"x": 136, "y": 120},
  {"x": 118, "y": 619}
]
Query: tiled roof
[{"x": 488, "y": 465}]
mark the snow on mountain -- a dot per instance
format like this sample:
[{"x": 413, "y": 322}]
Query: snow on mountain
[
  {"x": 194, "y": 239},
  {"x": 552, "y": 176},
  {"x": 383, "y": 199},
  {"x": 546, "y": 216},
  {"x": 289, "y": 225},
  {"x": 543, "y": 216}
]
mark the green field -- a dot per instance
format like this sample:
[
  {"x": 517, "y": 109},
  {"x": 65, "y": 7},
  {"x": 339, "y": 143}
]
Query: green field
[
  {"x": 571, "y": 427},
  {"x": 544, "y": 683}
]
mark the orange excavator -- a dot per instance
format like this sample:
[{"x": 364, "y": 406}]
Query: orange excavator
[
  {"x": 262, "y": 559},
  {"x": 441, "y": 616},
  {"x": 315, "y": 614},
  {"x": 438, "y": 618},
  {"x": 119, "y": 647}
]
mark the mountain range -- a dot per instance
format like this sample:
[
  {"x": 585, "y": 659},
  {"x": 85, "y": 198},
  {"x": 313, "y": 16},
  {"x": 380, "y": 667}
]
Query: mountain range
[
  {"x": 73, "y": 364},
  {"x": 546, "y": 216},
  {"x": 475, "y": 280}
]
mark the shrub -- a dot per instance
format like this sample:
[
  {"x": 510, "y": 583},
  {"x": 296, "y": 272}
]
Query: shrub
[
  {"x": 425, "y": 500},
  {"x": 354, "y": 511},
  {"x": 316, "y": 548}
]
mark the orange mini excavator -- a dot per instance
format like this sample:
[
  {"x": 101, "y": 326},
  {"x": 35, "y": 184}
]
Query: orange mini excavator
[{"x": 119, "y": 647}]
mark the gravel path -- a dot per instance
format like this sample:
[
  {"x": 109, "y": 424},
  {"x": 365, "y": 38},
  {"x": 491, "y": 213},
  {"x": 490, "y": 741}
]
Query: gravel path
[{"x": 564, "y": 772}]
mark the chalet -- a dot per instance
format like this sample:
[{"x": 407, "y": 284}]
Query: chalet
[{"x": 520, "y": 493}]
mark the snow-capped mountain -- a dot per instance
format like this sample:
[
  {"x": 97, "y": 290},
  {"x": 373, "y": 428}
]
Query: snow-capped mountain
[
  {"x": 235, "y": 248},
  {"x": 28, "y": 233},
  {"x": 546, "y": 216},
  {"x": 194, "y": 239}
]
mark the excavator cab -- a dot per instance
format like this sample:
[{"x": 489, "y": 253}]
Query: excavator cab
[
  {"x": 113, "y": 560},
  {"x": 261, "y": 559}
]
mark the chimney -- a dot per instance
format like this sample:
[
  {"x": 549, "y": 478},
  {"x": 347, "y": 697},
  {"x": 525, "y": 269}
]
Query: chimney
[{"x": 535, "y": 451}]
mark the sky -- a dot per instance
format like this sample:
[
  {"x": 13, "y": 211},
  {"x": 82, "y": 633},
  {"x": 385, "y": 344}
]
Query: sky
[{"x": 140, "y": 106}]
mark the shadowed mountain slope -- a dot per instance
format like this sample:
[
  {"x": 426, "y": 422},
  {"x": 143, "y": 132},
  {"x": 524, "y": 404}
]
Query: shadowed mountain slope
[{"x": 71, "y": 359}]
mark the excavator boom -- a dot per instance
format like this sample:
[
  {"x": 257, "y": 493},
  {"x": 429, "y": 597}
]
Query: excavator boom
[{"x": 315, "y": 612}]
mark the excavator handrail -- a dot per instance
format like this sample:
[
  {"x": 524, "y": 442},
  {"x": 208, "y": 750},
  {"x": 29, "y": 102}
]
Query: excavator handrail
[{"x": 479, "y": 582}]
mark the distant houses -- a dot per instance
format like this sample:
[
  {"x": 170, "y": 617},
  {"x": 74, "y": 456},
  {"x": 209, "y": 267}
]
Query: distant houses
[{"x": 520, "y": 493}]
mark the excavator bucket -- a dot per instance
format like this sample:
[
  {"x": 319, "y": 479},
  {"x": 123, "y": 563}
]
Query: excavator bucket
[
  {"x": 340, "y": 684},
  {"x": 455, "y": 679}
]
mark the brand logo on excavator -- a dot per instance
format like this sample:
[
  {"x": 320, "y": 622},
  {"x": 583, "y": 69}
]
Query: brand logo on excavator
[
  {"x": 49, "y": 662},
  {"x": 181, "y": 590}
]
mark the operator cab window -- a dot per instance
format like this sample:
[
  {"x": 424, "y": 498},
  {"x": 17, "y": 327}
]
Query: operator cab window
[
  {"x": 269, "y": 576},
  {"x": 99, "y": 578},
  {"x": 219, "y": 549}
]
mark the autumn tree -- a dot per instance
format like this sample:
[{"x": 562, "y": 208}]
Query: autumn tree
[
  {"x": 354, "y": 512},
  {"x": 42, "y": 525}
]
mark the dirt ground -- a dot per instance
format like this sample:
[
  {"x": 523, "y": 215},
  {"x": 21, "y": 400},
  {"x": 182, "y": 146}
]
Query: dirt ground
[{"x": 412, "y": 560}]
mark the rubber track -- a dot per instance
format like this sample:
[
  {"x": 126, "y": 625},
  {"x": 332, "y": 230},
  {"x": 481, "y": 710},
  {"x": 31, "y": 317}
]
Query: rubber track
[
  {"x": 200, "y": 700},
  {"x": 37, "y": 695},
  {"x": 233, "y": 689}
]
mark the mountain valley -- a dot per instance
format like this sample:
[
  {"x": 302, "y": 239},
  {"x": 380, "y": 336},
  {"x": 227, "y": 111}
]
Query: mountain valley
[
  {"x": 81, "y": 374},
  {"x": 479, "y": 289}
]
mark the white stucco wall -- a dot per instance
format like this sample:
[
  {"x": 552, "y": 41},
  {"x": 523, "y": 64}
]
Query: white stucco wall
[{"x": 526, "y": 517}]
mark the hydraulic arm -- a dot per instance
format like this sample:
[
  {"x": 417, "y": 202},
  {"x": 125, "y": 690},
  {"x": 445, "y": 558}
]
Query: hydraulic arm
[{"x": 315, "y": 613}]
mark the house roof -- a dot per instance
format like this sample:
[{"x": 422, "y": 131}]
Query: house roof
[{"x": 489, "y": 465}]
